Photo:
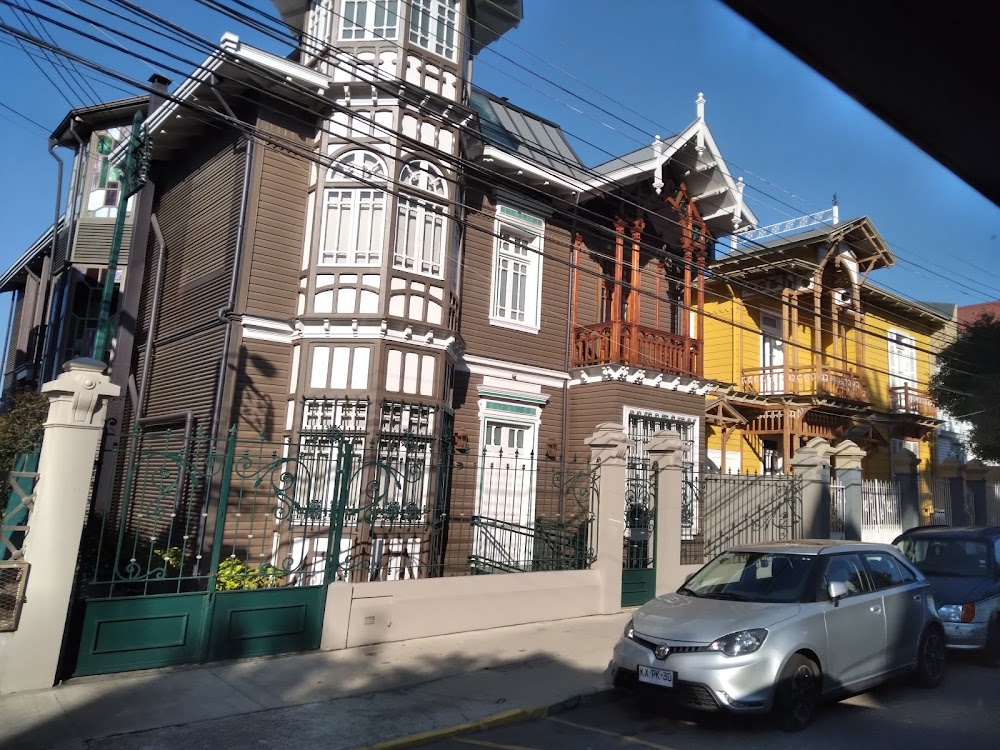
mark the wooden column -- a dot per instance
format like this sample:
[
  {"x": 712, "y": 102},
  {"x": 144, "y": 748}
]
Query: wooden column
[
  {"x": 794, "y": 343},
  {"x": 817, "y": 324},
  {"x": 576, "y": 276},
  {"x": 696, "y": 367},
  {"x": 786, "y": 441},
  {"x": 789, "y": 386},
  {"x": 686, "y": 312},
  {"x": 616, "y": 292},
  {"x": 633, "y": 297}
]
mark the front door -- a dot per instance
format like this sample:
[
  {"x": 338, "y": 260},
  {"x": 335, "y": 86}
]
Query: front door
[
  {"x": 505, "y": 533},
  {"x": 855, "y": 625}
]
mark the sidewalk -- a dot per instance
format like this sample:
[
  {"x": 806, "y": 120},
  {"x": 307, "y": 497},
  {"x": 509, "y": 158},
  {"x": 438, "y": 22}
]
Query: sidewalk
[{"x": 332, "y": 700}]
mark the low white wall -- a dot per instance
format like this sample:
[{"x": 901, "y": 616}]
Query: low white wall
[{"x": 365, "y": 613}]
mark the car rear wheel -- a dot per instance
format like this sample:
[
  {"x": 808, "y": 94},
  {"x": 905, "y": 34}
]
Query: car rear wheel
[
  {"x": 991, "y": 654},
  {"x": 931, "y": 658},
  {"x": 796, "y": 695}
]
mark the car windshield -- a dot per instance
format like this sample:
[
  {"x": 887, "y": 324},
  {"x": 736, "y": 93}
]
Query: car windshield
[
  {"x": 941, "y": 556},
  {"x": 752, "y": 577}
]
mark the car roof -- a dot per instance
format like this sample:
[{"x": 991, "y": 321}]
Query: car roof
[
  {"x": 979, "y": 533},
  {"x": 812, "y": 547}
]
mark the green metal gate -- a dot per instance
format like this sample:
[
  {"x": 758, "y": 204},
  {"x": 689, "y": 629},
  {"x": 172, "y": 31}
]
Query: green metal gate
[
  {"x": 212, "y": 549},
  {"x": 639, "y": 559}
]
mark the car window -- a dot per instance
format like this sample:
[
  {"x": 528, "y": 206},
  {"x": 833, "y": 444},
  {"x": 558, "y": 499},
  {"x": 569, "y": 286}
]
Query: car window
[
  {"x": 846, "y": 569},
  {"x": 944, "y": 556},
  {"x": 753, "y": 576},
  {"x": 883, "y": 569}
]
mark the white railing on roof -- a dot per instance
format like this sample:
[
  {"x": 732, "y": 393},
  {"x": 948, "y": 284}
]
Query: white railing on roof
[{"x": 764, "y": 234}]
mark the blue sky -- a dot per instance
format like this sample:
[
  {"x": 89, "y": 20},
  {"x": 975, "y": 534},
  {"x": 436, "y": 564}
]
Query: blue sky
[{"x": 792, "y": 135}]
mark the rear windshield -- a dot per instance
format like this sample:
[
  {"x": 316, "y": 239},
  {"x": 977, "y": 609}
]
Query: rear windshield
[{"x": 947, "y": 557}]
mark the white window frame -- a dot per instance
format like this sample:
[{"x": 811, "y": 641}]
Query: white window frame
[
  {"x": 511, "y": 223},
  {"x": 901, "y": 346},
  {"x": 350, "y": 31},
  {"x": 352, "y": 167},
  {"x": 417, "y": 257},
  {"x": 317, "y": 37},
  {"x": 435, "y": 14}
]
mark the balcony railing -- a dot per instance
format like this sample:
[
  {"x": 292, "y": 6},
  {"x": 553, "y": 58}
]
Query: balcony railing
[
  {"x": 637, "y": 346},
  {"x": 805, "y": 381},
  {"x": 908, "y": 400}
]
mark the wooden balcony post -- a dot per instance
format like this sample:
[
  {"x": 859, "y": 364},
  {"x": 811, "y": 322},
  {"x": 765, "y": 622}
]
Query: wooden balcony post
[
  {"x": 696, "y": 364},
  {"x": 576, "y": 276},
  {"x": 818, "y": 321},
  {"x": 686, "y": 327},
  {"x": 633, "y": 296},
  {"x": 616, "y": 291}
]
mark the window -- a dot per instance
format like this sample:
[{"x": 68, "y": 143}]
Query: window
[
  {"x": 846, "y": 569},
  {"x": 318, "y": 33},
  {"x": 370, "y": 19},
  {"x": 105, "y": 185},
  {"x": 517, "y": 266},
  {"x": 421, "y": 227},
  {"x": 432, "y": 26},
  {"x": 884, "y": 571},
  {"x": 902, "y": 360},
  {"x": 353, "y": 228}
]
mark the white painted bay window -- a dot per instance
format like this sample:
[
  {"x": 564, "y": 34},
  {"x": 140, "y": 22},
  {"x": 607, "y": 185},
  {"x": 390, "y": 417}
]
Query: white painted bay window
[
  {"x": 317, "y": 35},
  {"x": 353, "y": 229},
  {"x": 517, "y": 270},
  {"x": 421, "y": 222},
  {"x": 369, "y": 19},
  {"x": 433, "y": 26}
]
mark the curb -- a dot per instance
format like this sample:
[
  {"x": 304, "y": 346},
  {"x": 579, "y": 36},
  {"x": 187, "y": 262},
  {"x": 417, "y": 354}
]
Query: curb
[{"x": 504, "y": 718}]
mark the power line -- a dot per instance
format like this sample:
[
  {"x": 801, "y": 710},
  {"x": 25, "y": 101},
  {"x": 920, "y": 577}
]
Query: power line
[
  {"x": 246, "y": 128},
  {"x": 43, "y": 72},
  {"x": 24, "y": 117}
]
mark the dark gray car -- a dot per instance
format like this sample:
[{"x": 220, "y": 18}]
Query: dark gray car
[
  {"x": 962, "y": 565},
  {"x": 777, "y": 627}
]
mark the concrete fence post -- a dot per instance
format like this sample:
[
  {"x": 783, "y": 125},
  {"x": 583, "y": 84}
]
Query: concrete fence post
[
  {"x": 77, "y": 403},
  {"x": 847, "y": 458},
  {"x": 992, "y": 495},
  {"x": 904, "y": 470},
  {"x": 811, "y": 464},
  {"x": 951, "y": 473},
  {"x": 666, "y": 454},
  {"x": 974, "y": 473},
  {"x": 609, "y": 449}
]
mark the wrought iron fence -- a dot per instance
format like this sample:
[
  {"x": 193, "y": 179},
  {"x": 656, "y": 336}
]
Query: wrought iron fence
[
  {"x": 641, "y": 491},
  {"x": 940, "y": 490},
  {"x": 838, "y": 510},
  {"x": 881, "y": 510},
  {"x": 745, "y": 509}
]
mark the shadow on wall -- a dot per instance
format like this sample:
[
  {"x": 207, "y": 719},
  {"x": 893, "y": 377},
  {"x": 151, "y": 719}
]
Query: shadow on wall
[{"x": 253, "y": 407}]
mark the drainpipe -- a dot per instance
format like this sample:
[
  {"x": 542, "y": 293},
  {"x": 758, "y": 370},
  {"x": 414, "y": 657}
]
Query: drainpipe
[
  {"x": 573, "y": 271},
  {"x": 41, "y": 302},
  {"x": 74, "y": 208},
  {"x": 6, "y": 343},
  {"x": 225, "y": 311},
  {"x": 154, "y": 316}
]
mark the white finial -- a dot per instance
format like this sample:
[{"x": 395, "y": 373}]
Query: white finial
[
  {"x": 700, "y": 102},
  {"x": 738, "y": 211},
  {"x": 658, "y": 169},
  {"x": 699, "y": 145},
  {"x": 836, "y": 210}
]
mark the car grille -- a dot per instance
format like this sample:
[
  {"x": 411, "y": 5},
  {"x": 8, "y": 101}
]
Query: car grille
[
  {"x": 697, "y": 697},
  {"x": 651, "y": 645}
]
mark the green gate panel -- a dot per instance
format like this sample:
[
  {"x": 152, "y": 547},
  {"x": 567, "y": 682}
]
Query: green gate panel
[
  {"x": 266, "y": 621},
  {"x": 120, "y": 635},
  {"x": 638, "y": 586}
]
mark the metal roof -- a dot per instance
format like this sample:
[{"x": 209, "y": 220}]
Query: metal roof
[
  {"x": 639, "y": 157},
  {"x": 516, "y": 130}
]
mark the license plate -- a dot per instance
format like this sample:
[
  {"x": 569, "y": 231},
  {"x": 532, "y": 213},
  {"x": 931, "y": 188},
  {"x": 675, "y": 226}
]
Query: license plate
[{"x": 661, "y": 677}]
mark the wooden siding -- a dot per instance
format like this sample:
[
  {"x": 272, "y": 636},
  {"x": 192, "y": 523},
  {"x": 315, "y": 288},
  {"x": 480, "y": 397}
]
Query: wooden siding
[
  {"x": 275, "y": 222},
  {"x": 10, "y": 365},
  {"x": 197, "y": 208},
  {"x": 547, "y": 348},
  {"x": 592, "y": 404},
  {"x": 260, "y": 397},
  {"x": 93, "y": 242}
]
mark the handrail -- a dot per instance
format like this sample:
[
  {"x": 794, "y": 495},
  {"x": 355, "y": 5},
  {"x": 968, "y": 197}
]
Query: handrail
[
  {"x": 808, "y": 380},
  {"x": 635, "y": 345}
]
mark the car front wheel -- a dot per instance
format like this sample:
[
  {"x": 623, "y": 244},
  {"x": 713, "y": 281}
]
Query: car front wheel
[
  {"x": 931, "y": 658},
  {"x": 796, "y": 695}
]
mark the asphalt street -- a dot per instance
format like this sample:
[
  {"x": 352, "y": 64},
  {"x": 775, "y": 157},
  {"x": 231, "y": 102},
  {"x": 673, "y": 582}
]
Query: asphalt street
[{"x": 962, "y": 713}]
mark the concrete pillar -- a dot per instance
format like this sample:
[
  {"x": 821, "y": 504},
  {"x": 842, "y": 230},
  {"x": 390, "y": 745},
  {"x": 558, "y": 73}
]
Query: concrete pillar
[
  {"x": 993, "y": 495},
  {"x": 951, "y": 474},
  {"x": 974, "y": 474},
  {"x": 904, "y": 470},
  {"x": 811, "y": 464},
  {"x": 847, "y": 457},
  {"x": 77, "y": 404},
  {"x": 666, "y": 454},
  {"x": 609, "y": 451}
]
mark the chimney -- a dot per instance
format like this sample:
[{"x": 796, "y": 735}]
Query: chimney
[{"x": 159, "y": 84}]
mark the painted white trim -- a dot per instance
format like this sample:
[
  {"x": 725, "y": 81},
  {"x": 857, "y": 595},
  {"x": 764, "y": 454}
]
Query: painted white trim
[
  {"x": 651, "y": 379},
  {"x": 511, "y": 371},
  {"x": 419, "y": 335},
  {"x": 492, "y": 152}
]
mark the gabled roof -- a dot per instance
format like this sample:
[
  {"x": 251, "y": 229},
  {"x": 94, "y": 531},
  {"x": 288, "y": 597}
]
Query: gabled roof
[
  {"x": 95, "y": 116},
  {"x": 697, "y": 155}
]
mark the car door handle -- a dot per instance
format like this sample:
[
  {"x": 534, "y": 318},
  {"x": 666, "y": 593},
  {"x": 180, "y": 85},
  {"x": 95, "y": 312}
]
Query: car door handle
[{"x": 876, "y": 608}]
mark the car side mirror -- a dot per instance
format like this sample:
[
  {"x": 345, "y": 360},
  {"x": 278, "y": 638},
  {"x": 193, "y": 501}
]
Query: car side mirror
[{"x": 837, "y": 591}]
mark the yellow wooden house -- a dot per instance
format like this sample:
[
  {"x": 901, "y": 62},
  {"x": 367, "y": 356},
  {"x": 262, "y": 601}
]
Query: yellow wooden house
[{"x": 800, "y": 344}]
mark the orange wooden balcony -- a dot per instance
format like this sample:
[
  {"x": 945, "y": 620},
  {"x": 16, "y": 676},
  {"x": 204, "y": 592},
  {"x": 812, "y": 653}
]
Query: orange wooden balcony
[
  {"x": 908, "y": 400},
  {"x": 805, "y": 381},
  {"x": 637, "y": 346}
]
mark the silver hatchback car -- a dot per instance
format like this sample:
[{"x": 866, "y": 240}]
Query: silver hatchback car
[{"x": 778, "y": 627}]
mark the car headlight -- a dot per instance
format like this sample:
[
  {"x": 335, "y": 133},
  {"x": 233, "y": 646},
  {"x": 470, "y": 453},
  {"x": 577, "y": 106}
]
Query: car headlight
[
  {"x": 957, "y": 612},
  {"x": 629, "y": 631},
  {"x": 738, "y": 644}
]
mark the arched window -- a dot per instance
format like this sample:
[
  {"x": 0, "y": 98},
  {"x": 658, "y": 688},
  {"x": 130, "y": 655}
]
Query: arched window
[
  {"x": 353, "y": 230},
  {"x": 355, "y": 166},
  {"x": 421, "y": 228}
]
